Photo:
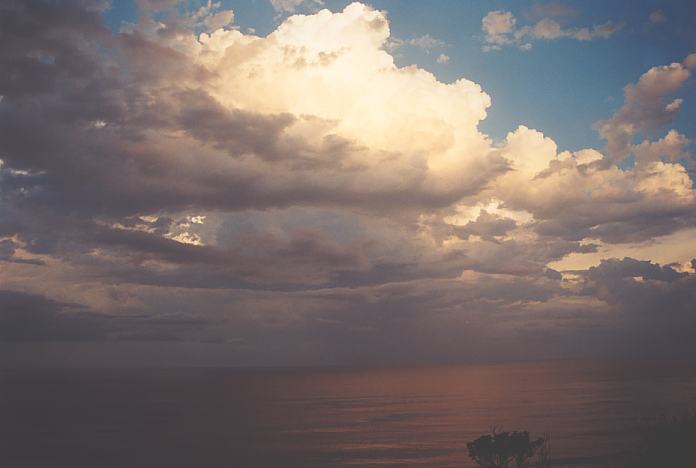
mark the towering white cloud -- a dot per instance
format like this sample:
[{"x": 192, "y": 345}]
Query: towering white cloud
[{"x": 331, "y": 72}]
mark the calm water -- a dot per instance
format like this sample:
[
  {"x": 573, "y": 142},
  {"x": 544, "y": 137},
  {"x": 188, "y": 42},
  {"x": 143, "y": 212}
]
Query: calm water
[{"x": 202, "y": 418}]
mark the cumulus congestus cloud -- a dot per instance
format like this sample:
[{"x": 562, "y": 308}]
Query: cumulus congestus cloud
[{"x": 299, "y": 194}]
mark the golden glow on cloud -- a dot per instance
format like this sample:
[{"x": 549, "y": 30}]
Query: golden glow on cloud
[
  {"x": 677, "y": 248},
  {"x": 333, "y": 72}
]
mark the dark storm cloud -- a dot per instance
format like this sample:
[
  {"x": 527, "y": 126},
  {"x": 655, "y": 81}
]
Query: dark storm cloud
[
  {"x": 81, "y": 124},
  {"x": 43, "y": 42},
  {"x": 643, "y": 287},
  {"x": 486, "y": 226},
  {"x": 305, "y": 259},
  {"x": 28, "y": 318},
  {"x": 653, "y": 305},
  {"x": 82, "y": 110},
  {"x": 510, "y": 256},
  {"x": 637, "y": 227},
  {"x": 632, "y": 268},
  {"x": 239, "y": 132}
]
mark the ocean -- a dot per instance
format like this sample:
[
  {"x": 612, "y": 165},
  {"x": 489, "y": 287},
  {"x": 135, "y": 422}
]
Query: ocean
[{"x": 406, "y": 417}]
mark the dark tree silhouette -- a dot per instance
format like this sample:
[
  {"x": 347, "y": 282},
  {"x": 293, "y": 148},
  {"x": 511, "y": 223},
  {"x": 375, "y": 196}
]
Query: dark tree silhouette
[{"x": 508, "y": 450}]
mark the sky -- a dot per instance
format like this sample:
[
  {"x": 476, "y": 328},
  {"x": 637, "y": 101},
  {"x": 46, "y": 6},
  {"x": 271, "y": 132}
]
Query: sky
[{"x": 319, "y": 183}]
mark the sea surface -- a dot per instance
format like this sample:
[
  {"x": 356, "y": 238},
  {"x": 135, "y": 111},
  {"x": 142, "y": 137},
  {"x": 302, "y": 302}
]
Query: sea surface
[{"x": 420, "y": 417}]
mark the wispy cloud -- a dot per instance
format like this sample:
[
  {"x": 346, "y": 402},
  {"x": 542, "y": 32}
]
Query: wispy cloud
[
  {"x": 501, "y": 28},
  {"x": 291, "y": 6},
  {"x": 425, "y": 42},
  {"x": 553, "y": 10}
]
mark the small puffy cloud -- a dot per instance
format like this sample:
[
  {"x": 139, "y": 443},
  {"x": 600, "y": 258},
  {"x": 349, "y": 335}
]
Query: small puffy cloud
[
  {"x": 218, "y": 20},
  {"x": 443, "y": 59},
  {"x": 657, "y": 17},
  {"x": 210, "y": 18},
  {"x": 425, "y": 42},
  {"x": 690, "y": 61},
  {"x": 500, "y": 28}
]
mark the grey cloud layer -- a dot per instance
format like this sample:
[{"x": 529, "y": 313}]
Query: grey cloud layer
[{"x": 29, "y": 318}]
